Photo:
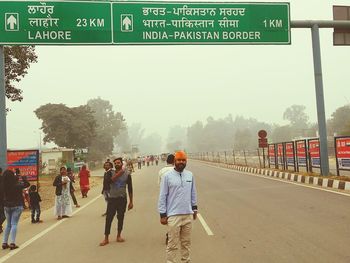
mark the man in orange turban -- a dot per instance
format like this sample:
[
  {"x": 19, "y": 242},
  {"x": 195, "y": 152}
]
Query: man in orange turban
[{"x": 177, "y": 205}]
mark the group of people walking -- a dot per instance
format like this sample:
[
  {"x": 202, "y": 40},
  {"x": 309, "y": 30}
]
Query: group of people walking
[{"x": 147, "y": 160}]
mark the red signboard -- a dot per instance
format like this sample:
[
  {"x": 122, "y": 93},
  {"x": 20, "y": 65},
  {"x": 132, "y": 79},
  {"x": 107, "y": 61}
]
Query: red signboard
[
  {"x": 262, "y": 142},
  {"x": 272, "y": 154},
  {"x": 314, "y": 151},
  {"x": 27, "y": 161},
  {"x": 262, "y": 134},
  {"x": 343, "y": 152},
  {"x": 290, "y": 153},
  {"x": 301, "y": 153}
]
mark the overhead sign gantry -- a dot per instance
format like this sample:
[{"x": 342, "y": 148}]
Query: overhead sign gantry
[{"x": 108, "y": 23}]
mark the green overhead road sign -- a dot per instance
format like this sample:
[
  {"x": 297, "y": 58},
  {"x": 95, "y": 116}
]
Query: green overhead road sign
[
  {"x": 27, "y": 22},
  {"x": 124, "y": 23},
  {"x": 200, "y": 23}
]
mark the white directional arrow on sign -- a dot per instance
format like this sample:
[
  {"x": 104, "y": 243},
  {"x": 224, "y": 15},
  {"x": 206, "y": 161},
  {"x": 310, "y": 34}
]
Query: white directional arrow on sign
[
  {"x": 127, "y": 23},
  {"x": 12, "y": 21}
]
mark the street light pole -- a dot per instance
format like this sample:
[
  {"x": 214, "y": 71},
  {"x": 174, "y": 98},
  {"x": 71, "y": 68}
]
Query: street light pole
[{"x": 3, "y": 134}]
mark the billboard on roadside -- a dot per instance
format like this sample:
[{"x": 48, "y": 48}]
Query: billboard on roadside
[
  {"x": 342, "y": 151},
  {"x": 314, "y": 152},
  {"x": 290, "y": 155},
  {"x": 280, "y": 155},
  {"x": 27, "y": 161},
  {"x": 301, "y": 153},
  {"x": 272, "y": 155}
]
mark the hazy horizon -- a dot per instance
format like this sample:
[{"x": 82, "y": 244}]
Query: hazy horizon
[{"x": 163, "y": 86}]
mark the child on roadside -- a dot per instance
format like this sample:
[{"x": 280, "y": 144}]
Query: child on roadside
[{"x": 35, "y": 200}]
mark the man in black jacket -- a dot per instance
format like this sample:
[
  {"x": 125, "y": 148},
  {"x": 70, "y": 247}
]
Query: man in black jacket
[{"x": 108, "y": 166}]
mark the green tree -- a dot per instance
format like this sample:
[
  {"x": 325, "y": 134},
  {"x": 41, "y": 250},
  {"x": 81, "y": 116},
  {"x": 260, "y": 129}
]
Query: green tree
[
  {"x": 195, "y": 138},
  {"x": 17, "y": 63},
  {"x": 123, "y": 142},
  {"x": 109, "y": 125},
  {"x": 242, "y": 139},
  {"x": 298, "y": 119},
  {"x": 67, "y": 127},
  {"x": 151, "y": 144},
  {"x": 340, "y": 121},
  {"x": 176, "y": 138},
  {"x": 282, "y": 134}
]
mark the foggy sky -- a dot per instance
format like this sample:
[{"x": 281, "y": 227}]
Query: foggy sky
[{"x": 161, "y": 86}]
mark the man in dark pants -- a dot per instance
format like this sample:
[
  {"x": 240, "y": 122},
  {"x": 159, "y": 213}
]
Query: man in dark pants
[
  {"x": 109, "y": 172},
  {"x": 117, "y": 200},
  {"x": 2, "y": 213}
]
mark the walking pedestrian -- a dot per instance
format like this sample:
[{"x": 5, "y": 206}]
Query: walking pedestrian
[
  {"x": 169, "y": 166},
  {"x": 139, "y": 162},
  {"x": 84, "y": 175},
  {"x": 109, "y": 172},
  {"x": 177, "y": 204},
  {"x": 71, "y": 176},
  {"x": 108, "y": 166},
  {"x": 35, "y": 200},
  {"x": 130, "y": 166},
  {"x": 117, "y": 200},
  {"x": 13, "y": 206},
  {"x": 63, "y": 205},
  {"x": 2, "y": 212}
]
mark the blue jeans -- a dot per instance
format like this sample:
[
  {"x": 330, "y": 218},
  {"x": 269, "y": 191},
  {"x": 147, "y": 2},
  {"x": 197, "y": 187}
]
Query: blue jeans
[{"x": 12, "y": 217}]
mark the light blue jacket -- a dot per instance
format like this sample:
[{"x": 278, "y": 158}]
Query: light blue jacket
[{"x": 178, "y": 194}]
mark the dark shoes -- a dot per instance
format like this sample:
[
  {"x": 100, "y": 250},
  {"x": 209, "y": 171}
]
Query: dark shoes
[
  {"x": 12, "y": 246},
  {"x": 5, "y": 246},
  {"x": 37, "y": 221}
]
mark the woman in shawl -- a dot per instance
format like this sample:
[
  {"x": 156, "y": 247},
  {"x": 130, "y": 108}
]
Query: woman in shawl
[
  {"x": 84, "y": 175},
  {"x": 63, "y": 204}
]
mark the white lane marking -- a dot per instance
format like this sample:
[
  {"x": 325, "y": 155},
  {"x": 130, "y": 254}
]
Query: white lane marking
[
  {"x": 282, "y": 181},
  {"x": 44, "y": 232},
  {"x": 205, "y": 225}
]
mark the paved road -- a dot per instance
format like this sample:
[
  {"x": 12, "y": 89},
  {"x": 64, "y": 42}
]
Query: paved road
[{"x": 253, "y": 220}]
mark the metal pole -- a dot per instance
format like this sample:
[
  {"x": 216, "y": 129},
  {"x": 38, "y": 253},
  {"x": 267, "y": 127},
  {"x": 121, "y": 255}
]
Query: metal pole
[
  {"x": 3, "y": 136},
  {"x": 264, "y": 156},
  {"x": 321, "y": 116},
  {"x": 259, "y": 158}
]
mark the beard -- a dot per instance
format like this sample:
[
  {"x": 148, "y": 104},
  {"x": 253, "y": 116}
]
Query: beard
[{"x": 180, "y": 167}]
